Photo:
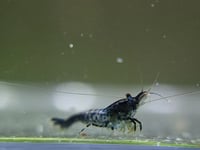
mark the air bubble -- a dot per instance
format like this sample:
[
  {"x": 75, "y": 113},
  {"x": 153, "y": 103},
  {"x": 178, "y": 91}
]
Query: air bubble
[
  {"x": 119, "y": 60},
  {"x": 71, "y": 45}
]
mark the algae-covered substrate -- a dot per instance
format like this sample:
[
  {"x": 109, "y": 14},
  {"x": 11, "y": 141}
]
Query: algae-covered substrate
[{"x": 94, "y": 141}]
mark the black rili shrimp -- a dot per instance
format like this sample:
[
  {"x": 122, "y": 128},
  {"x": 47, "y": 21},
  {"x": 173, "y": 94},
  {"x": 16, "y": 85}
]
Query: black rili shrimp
[{"x": 112, "y": 116}]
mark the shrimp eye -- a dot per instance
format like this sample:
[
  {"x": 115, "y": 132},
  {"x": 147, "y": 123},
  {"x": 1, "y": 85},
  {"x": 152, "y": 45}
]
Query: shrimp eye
[{"x": 129, "y": 97}]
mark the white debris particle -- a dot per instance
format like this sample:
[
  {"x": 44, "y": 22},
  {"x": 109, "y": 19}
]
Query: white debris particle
[
  {"x": 152, "y": 5},
  {"x": 81, "y": 34},
  {"x": 169, "y": 100},
  {"x": 71, "y": 45},
  {"x": 147, "y": 29},
  {"x": 65, "y": 33},
  {"x": 90, "y": 35},
  {"x": 193, "y": 141},
  {"x": 85, "y": 75},
  {"x": 157, "y": 83},
  {"x": 164, "y": 36},
  {"x": 40, "y": 128},
  {"x": 158, "y": 144},
  {"x": 119, "y": 60},
  {"x": 73, "y": 52},
  {"x": 178, "y": 139},
  {"x": 197, "y": 85}
]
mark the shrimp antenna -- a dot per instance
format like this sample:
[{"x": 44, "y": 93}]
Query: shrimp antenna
[
  {"x": 56, "y": 91},
  {"x": 141, "y": 77},
  {"x": 154, "y": 82},
  {"x": 172, "y": 96},
  {"x": 153, "y": 93}
]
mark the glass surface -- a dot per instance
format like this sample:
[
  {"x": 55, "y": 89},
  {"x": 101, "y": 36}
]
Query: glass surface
[{"x": 58, "y": 58}]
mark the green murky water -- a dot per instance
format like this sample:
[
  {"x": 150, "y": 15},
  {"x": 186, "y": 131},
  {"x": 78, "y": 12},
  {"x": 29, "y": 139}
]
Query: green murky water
[{"x": 103, "y": 50}]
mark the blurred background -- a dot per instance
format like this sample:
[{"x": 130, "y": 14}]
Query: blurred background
[{"x": 62, "y": 57}]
